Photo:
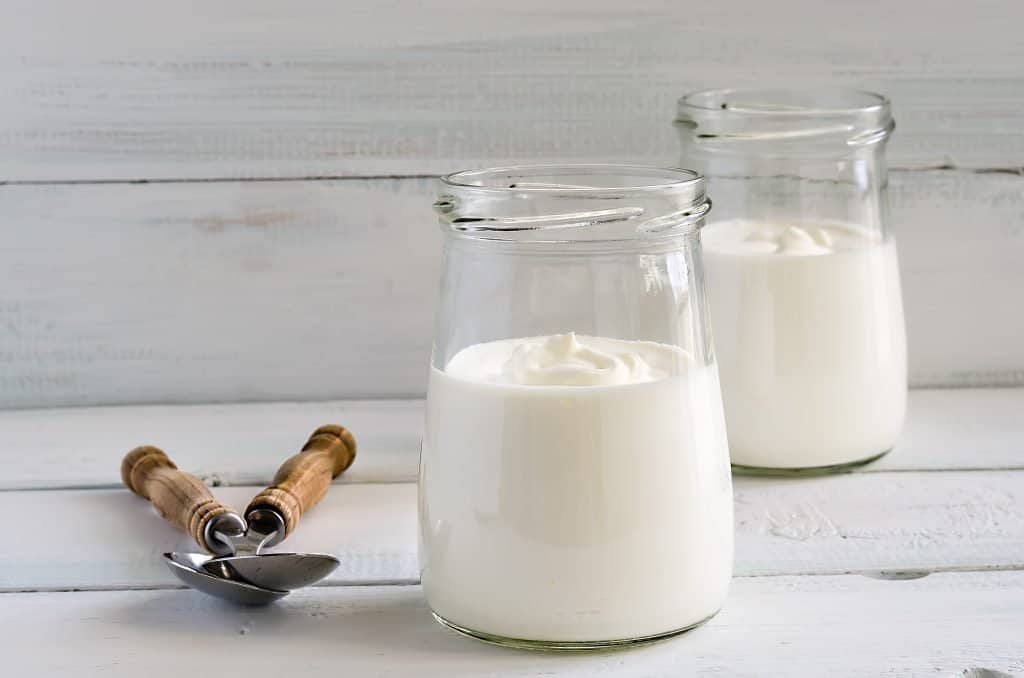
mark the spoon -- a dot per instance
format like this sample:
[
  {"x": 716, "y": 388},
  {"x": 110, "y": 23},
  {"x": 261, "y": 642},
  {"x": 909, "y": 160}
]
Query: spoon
[
  {"x": 238, "y": 571},
  {"x": 188, "y": 567}
]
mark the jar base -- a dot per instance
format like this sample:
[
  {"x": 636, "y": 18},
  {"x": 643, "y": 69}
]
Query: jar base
[
  {"x": 566, "y": 645},
  {"x": 845, "y": 467}
]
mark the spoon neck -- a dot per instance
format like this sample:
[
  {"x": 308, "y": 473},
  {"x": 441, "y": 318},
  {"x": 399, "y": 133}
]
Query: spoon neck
[{"x": 223, "y": 533}]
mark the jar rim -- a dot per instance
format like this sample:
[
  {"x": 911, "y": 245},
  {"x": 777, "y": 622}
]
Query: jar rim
[
  {"x": 811, "y": 121},
  {"x": 672, "y": 178},
  {"x": 772, "y": 101},
  {"x": 572, "y": 202}
]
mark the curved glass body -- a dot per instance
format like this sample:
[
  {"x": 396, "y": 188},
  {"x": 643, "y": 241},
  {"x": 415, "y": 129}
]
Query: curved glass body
[
  {"x": 574, "y": 479},
  {"x": 803, "y": 275}
]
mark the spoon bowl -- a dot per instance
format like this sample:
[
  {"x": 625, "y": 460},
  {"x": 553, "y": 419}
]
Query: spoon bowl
[
  {"x": 278, "y": 571},
  {"x": 188, "y": 567}
]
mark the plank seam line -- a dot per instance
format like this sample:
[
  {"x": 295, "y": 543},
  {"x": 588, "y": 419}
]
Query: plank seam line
[
  {"x": 967, "y": 469},
  {"x": 965, "y": 569},
  {"x": 870, "y": 572},
  {"x": 340, "y": 399},
  {"x": 214, "y": 180},
  {"x": 1010, "y": 170},
  {"x": 1014, "y": 380},
  {"x": 118, "y": 486},
  {"x": 179, "y": 587}
]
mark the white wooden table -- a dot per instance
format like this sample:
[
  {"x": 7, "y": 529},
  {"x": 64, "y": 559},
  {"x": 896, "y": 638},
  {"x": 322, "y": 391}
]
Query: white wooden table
[{"x": 911, "y": 567}]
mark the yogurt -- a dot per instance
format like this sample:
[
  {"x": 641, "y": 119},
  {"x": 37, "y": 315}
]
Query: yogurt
[
  {"x": 808, "y": 331},
  {"x": 575, "y": 489}
]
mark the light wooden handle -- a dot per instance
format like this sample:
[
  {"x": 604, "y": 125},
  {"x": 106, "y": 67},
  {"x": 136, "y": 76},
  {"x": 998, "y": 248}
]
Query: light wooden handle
[
  {"x": 180, "y": 497},
  {"x": 303, "y": 479}
]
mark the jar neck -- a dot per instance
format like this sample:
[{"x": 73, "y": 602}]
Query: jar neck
[
  {"x": 593, "y": 249},
  {"x": 811, "y": 156}
]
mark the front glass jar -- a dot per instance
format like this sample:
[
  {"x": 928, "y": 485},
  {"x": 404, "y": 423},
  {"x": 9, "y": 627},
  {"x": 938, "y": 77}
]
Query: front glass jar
[
  {"x": 802, "y": 274},
  {"x": 574, "y": 476}
]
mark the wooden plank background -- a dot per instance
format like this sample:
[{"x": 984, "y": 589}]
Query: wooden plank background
[
  {"x": 910, "y": 567},
  {"x": 867, "y": 524},
  {"x": 948, "y": 498},
  {"x": 317, "y": 281},
  {"x": 243, "y": 444},
  {"x": 836, "y": 626}
]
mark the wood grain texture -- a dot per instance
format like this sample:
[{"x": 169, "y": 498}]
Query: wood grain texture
[
  {"x": 229, "y": 291},
  {"x": 262, "y": 89},
  {"x": 242, "y": 444},
  {"x": 212, "y": 292},
  {"x": 842, "y": 627},
  {"x": 180, "y": 498},
  {"x": 325, "y": 289},
  {"x": 304, "y": 478},
  {"x": 855, "y": 523}
]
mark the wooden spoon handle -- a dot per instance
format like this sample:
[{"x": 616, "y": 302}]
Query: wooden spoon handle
[
  {"x": 180, "y": 497},
  {"x": 303, "y": 479}
]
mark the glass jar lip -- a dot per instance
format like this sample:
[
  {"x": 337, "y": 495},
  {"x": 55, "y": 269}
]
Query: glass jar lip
[
  {"x": 673, "y": 178},
  {"x": 717, "y": 100},
  {"x": 572, "y": 202}
]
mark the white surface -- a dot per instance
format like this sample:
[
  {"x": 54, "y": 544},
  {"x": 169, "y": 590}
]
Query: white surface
[
  {"x": 226, "y": 291},
  {"x": 222, "y": 444},
  {"x": 840, "y": 627},
  {"x": 250, "y": 291},
  {"x": 947, "y": 429},
  {"x": 956, "y": 524},
  {"x": 241, "y": 89},
  {"x": 854, "y": 523}
]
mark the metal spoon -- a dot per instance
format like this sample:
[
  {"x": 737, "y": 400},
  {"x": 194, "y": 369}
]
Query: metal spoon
[
  {"x": 188, "y": 567},
  {"x": 238, "y": 566},
  {"x": 272, "y": 515},
  {"x": 244, "y": 560}
]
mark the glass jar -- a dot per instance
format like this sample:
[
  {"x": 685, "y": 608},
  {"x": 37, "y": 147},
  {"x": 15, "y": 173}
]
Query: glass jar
[
  {"x": 574, "y": 478},
  {"x": 802, "y": 272}
]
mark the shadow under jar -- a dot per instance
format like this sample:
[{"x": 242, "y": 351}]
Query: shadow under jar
[
  {"x": 802, "y": 274},
  {"x": 574, "y": 486}
]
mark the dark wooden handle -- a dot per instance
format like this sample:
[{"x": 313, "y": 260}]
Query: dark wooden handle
[
  {"x": 180, "y": 497},
  {"x": 303, "y": 479}
]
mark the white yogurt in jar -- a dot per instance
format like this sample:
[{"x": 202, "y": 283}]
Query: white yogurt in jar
[
  {"x": 575, "y": 489},
  {"x": 809, "y": 335}
]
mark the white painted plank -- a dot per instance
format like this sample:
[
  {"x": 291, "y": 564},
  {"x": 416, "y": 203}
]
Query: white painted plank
[
  {"x": 959, "y": 429},
  {"x": 215, "y": 292},
  {"x": 115, "y": 90},
  {"x": 854, "y": 523},
  {"x": 112, "y": 539},
  {"x": 880, "y": 522},
  {"x": 841, "y": 627},
  {"x": 242, "y": 444},
  {"x": 222, "y": 444},
  {"x": 319, "y": 290},
  {"x": 961, "y": 242}
]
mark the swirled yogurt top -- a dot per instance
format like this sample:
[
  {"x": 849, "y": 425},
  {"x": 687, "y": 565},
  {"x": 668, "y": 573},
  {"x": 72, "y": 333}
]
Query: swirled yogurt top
[
  {"x": 748, "y": 236},
  {"x": 567, "y": 360}
]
